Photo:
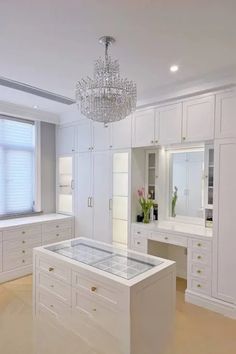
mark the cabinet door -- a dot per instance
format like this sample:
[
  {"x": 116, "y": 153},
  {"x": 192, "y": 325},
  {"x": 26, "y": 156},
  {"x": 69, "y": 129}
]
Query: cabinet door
[
  {"x": 101, "y": 136},
  {"x": 84, "y": 212},
  {"x": 198, "y": 119},
  {"x": 121, "y": 133},
  {"x": 144, "y": 128},
  {"x": 101, "y": 196},
  {"x": 66, "y": 140},
  {"x": 224, "y": 241},
  {"x": 226, "y": 115},
  {"x": 169, "y": 119},
  {"x": 85, "y": 136}
]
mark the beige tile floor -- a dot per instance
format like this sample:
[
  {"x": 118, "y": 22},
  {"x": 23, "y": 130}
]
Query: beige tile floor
[{"x": 197, "y": 331}]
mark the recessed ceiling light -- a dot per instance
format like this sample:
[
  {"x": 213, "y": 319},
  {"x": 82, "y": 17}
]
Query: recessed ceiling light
[
  {"x": 35, "y": 106},
  {"x": 174, "y": 68}
]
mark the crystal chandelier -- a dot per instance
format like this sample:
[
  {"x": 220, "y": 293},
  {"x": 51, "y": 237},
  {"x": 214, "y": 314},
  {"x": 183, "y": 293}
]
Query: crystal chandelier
[{"x": 107, "y": 97}]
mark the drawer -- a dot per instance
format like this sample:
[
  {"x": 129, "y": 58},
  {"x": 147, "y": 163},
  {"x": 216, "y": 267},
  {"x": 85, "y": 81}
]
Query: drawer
[
  {"x": 56, "y": 236},
  {"x": 15, "y": 261},
  {"x": 24, "y": 232},
  {"x": 17, "y": 252},
  {"x": 201, "y": 245},
  {"x": 200, "y": 286},
  {"x": 139, "y": 244},
  {"x": 56, "y": 225},
  {"x": 60, "y": 290},
  {"x": 100, "y": 315},
  {"x": 49, "y": 304},
  {"x": 54, "y": 268},
  {"x": 107, "y": 293},
  {"x": 22, "y": 243},
  {"x": 201, "y": 271},
  {"x": 201, "y": 257},
  {"x": 169, "y": 238},
  {"x": 141, "y": 232}
]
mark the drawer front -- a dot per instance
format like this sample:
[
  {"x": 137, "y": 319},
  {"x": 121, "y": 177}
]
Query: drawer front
[
  {"x": 61, "y": 290},
  {"x": 23, "y": 232},
  {"x": 22, "y": 243},
  {"x": 56, "y": 236},
  {"x": 141, "y": 232},
  {"x": 49, "y": 304},
  {"x": 99, "y": 291},
  {"x": 171, "y": 239},
  {"x": 139, "y": 244},
  {"x": 15, "y": 261},
  {"x": 201, "y": 245},
  {"x": 200, "y": 257},
  {"x": 54, "y": 269},
  {"x": 100, "y": 315},
  {"x": 200, "y": 271},
  {"x": 200, "y": 286},
  {"x": 56, "y": 225}
]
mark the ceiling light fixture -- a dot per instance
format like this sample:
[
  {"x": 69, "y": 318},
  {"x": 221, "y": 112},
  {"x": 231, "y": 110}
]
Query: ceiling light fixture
[
  {"x": 174, "y": 68},
  {"x": 107, "y": 97},
  {"x": 35, "y": 106}
]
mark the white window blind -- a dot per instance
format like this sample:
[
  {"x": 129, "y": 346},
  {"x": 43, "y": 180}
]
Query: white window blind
[{"x": 17, "y": 147}]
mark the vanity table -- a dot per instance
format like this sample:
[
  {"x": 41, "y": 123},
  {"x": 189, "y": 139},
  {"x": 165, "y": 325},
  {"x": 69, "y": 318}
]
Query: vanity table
[
  {"x": 119, "y": 301},
  {"x": 196, "y": 239}
]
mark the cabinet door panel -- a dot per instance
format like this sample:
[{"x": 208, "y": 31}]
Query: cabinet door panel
[
  {"x": 224, "y": 242},
  {"x": 144, "y": 128},
  {"x": 84, "y": 136},
  {"x": 84, "y": 214},
  {"x": 198, "y": 119},
  {"x": 101, "y": 136},
  {"x": 226, "y": 115},
  {"x": 170, "y": 124},
  {"x": 66, "y": 138},
  {"x": 121, "y": 134},
  {"x": 101, "y": 195}
]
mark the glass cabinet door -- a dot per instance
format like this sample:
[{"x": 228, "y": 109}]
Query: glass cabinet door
[
  {"x": 65, "y": 184},
  {"x": 151, "y": 174},
  {"x": 209, "y": 176}
]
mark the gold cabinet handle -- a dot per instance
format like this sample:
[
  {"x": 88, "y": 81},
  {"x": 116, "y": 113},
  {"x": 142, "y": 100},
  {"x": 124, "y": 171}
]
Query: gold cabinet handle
[
  {"x": 199, "y": 286},
  {"x": 23, "y": 251},
  {"x": 57, "y": 235},
  {"x": 51, "y": 306},
  {"x": 199, "y": 244},
  {"x": 50, "y": 269},
  {"x": 166, "y": 238},
  {"x": 94, "y": 310},
  {"x": 93, "y": 289},
  {"x": 23, "y": 232},
  {"x": 199, "y": 257},
  {"x": 51, "y": 286},
  {"x": 23, "y": 261},
  {"x": 23, "y": 241},
  {"x": 138, "y": 243},
  {"x": 199, "y": 271},
  {"x": 184, "y": 137}
]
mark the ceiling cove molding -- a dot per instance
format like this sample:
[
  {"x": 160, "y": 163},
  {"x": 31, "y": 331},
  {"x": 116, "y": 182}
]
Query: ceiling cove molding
[{"x": 19, "y": 111}]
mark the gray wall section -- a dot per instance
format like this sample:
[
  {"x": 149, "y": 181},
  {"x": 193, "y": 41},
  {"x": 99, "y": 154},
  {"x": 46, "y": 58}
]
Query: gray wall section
[{"x": 48, "y": 167}]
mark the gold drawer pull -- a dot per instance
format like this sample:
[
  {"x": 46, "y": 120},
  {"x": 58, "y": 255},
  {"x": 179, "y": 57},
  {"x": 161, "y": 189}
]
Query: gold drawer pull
[
  {"x": 138, "y": 243},
  {"x": 93, "y": 288},
  {"x": 199, "y": 286},
  {"x": 57, "y": 226},
  {"x": 52, "y": 286},
  {"x": 23, "y": 251},
  {"x": 166, "y": 238},
  {"x": 199, "y": 257},
  {"x": 199, "y": 244},
  {"x": 50, "y": 269},
  {"x": 199, "y": 271},
  {"x": 57, "y": 235},
  {"x": 23, "y": 232},
  {"x": 94, "y": 310},
  {"x": 23, "y": 261},
  {"x": 23, "y": 241},
  {"x": 51, "y": 306}
]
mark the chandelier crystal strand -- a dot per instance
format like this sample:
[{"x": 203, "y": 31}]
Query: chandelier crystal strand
[{"x": 107, "y": 97}]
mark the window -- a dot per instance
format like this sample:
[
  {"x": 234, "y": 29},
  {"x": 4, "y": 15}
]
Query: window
[{"x": 17, "y": 152}]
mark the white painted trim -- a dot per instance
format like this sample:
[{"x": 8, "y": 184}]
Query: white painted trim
[
  {"x": 210, "y": 303},
  {"x": 16, "y": 273},
  {"x": 37, "y": 179},
  {"x": 19, "y": 111}
]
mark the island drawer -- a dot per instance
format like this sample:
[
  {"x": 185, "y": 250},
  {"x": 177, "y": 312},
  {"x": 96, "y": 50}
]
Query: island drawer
[
  {"x": 56, "y": 236},
  {"x": 54, "y": 268},
  {"x": 56, "y": 225},
  {"x": 61, "y": 290},
  {"x": 45, "y": 302},
  {"x": 106, "y": 292},
  {"x": 23, "y": 232},
  {"x": 170, "y": 238}
]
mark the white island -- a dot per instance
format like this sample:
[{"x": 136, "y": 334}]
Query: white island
[{"x": 119, "y": 301}]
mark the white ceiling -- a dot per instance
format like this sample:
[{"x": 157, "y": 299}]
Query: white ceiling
[{"x": 53, "y": 43}]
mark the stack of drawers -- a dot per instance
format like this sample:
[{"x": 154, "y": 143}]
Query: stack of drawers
[
  {"x": 199, "y": 266},
  {"x": 18, "y": 244},
  {"x": 56, "y": 231}
]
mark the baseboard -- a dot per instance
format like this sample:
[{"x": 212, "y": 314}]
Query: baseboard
[
  {"x": 210, "y": 303},
  {"x": 16, "y": 273}
]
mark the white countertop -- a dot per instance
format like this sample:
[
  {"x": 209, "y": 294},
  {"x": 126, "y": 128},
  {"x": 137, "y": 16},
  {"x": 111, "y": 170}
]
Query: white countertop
[
  {"x": 177, "y": 228},
  {"x": 8, "y": 223}
]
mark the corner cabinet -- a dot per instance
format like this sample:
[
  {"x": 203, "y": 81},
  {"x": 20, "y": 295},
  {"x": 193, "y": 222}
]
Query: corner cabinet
[
  {"x": 226, "y": 115},
  {"x": 224, "y": 230},
  {"x": 198, "y": 119}
]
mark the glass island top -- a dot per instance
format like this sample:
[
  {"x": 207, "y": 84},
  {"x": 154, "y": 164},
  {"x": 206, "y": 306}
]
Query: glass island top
[{"x": 119, "y": 262}]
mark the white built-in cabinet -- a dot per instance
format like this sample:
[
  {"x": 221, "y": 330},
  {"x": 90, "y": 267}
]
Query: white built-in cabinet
[
  {"x": 198, "y": 119},
  {"x": 143, "y": 128},
  {"x": 85, "y": 141},
  {"x": 224, "y": 229},
  {"x": 169, "y": 122},
  {"x": 226, "y": 114},
  {"x": 66, "y": 139},
  {"x": 121, "y": 133},
  {"x": 66, "y": 184}
]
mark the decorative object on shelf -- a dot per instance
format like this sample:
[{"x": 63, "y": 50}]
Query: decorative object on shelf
[
  {"x": 146, "y": 205},
  {"x": 107, "y": 97},
  {"x": 174, "y": 201}
]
